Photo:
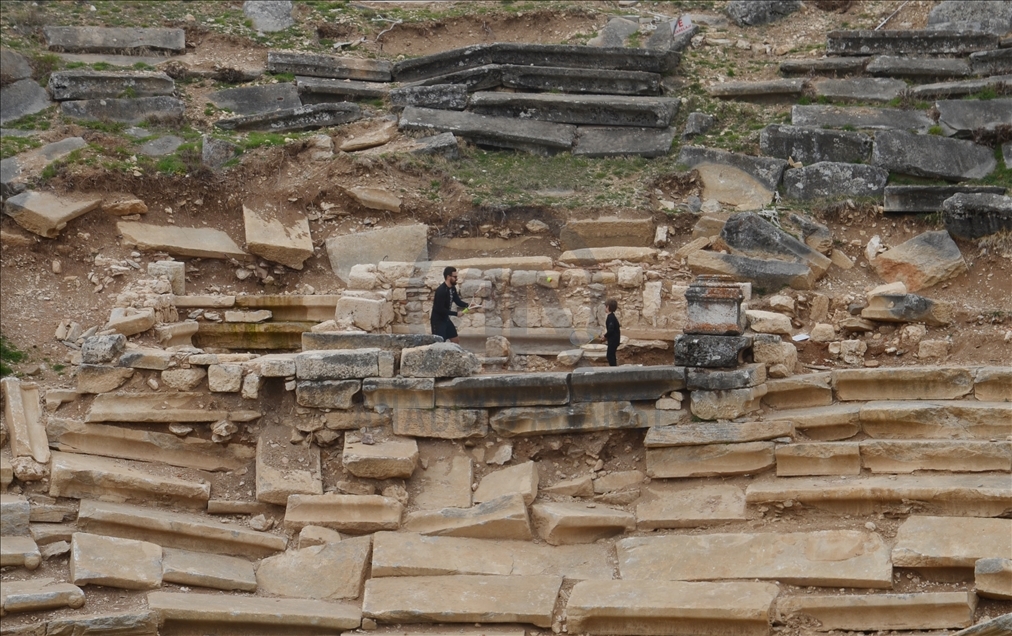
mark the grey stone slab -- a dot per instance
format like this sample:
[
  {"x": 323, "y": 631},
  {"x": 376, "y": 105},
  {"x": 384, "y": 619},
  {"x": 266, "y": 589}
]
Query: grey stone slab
[
  {"x": 60, "y": 149},
  {"x": 991, "y": 62},
  {"x": 362, "y": 340},
  {"x": 337, "y": 364},
  {"x": 13, "y": 132},
  {"x": 578, "y": 80},
  {"x": 88, "y": 84},
  {"x": 582, "y": 417},
  {"x": 251, "y": 100},
  {"x": 442, "y": 63},
  {"x": 400, "y": 244},
  {"x": 594, "y": 384},
  {"x": 721, "y": 380},
  {"x": 127, "y": 111},
  {"x": 768, "y": 274},
  {"x": 444, "y": 144},
  {"x": 269, "y": 16},
  {"x": 615, "y": 32},
  {"x": 614, "y": 141},
  {"x": 180, "y": 241},
  {"x": 697, "y": 123},
  {"x": 10, "y": 170},
  {"x": 441, "y": 96},
  {"x": 161, "y": 146},
  {"x": 479, "y": 78},
  {"x": 995, "y": 14},
  {"x": 749, "y": 234},
  {"x": 89, "y": 39},
  {"x": 217, "y": 152},
  {"x": 24, "y": 97},
  {"x": 1000, "y": 83},
  {"x": 317, "y": 65},
  {"x": 13, "y": 66},
  {"x": 931, "y": 156},
  {"x": 528, "y": 389},
  {"x": 912, "y": 42},
  {"x": 918, "y": 67},
  {"x": 860, "y": 117},
  {"x": 865, "y": 89},
  {"x": 972, "y": 216},
  {"x": 756, "y": 12},
  {"x": 703, "y": 433},
  {"x": 929, "y": 198},
  {"x": 812, "y": 145},
  {"x": 824, "y": 66},
  {"x": 125, "y": 62},
  {"x": 1006, "y": 154},
  {"x": 502, "y": 132},
  {"x": 761, "y": 90},
  {"x": 765, "y": 170},
  {"x": 129, "y": 623},
  {"x": 292, "y": 119},
  {"x": 711, "y": 352},
  {"x": 965, "y": 116},
  {"x": 318, "y": 90},
  {"x": 826, "y": 180},
  {"x": 593, "y": 110}
]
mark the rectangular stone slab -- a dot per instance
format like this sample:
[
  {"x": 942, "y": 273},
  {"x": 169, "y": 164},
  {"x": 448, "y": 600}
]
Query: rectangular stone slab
[
  {"x": 45, "y": 214},
  {"x": 316, "y": 308},
  {"x": 293, "y": 119},
  {"x": 215, "y": 571},
  {"x": 20, "y": 552},
  {"x": 826, "y": 423},
  {"x": 957, "y": 456},
  {"x": 88, "y": 84},
  {"x": 176, "y": 530},
  {"x": 908, "y": 198},
  {"x": 356, "y": 514},
  {"x": 867, "y": 42},
  {"x": 861, "y": 117},
  {"x": 567, "y": 80},
  {"x": 870, "y": 612},
  {"x": 462, "y": 599},
  {"x": 125, "y": 110},
  {"x": 408, "y": 554},
  {"x": 502, "y": 132},
  {"x": 23, "y": 416},
  {"x": 702, "y": 433},
  {"x": 593, "y": 110},
  {"x": 567, "y": 523},
  {"x": 39, "y": 594},
  {"x": 618, "y": 141},
  {"x": 960, "y": 88},
  {"x": 667, "y": 505},
  {"x": 818, "y": 458},
  {"x": 709, "y": 460},
  {"x": 801, "y": 391},
  {"x": 970, "y": 495},
  {"x": 89, "y": 39},
  {"x": 279, "y": 235},
  {"x": 828, "y": 558},
  {"x": 950, "y": 542},
  {"x": 939, "y": 419},
  {"x": 178, "y": 609},
  {"x": 180, "y": 241},
  {"x": 316, "y": 65},
  {"x": 502, "y": 518},
  {"x": 581, "y": 417},
  {"x": 920, "y": 383},
  {"x": 361, "y": 340},
  {"x": 85, "y": 476},
  {"x": 129, "y": 622},
  {"x": 318, "y": 90},
  {"x": 992, "y": 578},
  {"x": 15, "y": 511},
  {"x": 443, "y": 423},
  {"x": 527, "y": 389},
  {"x": 115, "y": 562},
  {"x": 670, "y": 608},
  {"x": 614, "y": 384},
  {"x": 184, "y": 408}
]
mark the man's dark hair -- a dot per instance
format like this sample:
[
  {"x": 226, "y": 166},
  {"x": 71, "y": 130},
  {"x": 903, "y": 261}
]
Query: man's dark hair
[
  {"x": 611, "y": 304},
  {"x": 449, "y": 269}
]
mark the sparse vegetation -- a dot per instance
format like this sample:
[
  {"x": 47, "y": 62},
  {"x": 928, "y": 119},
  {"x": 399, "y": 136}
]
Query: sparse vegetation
[
  {"x": 9, "y": 354},
  {"x": 10, "y": 146}
]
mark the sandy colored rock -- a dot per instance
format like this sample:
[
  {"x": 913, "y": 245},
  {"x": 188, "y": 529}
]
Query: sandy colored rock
[
  {"x": 375, "y": 198},
  {"x": 370, "y": 139},
  {"x": 149, "y": 408},
  {"x": 666, "y": 505},
  {"x": 446, "y": 483},
  {"x": 827, "y": 558},
  {"x": 520, "y": 479},
  {"x": 348, "y": 513},
  {"x": 502, "y": 518},
  {"x": 923, "y": 261},
  {"x": 800, "y": 391},
  {"x": 618, "y": 481},
  {"x": 23, "y": 416},
  {"x": 462, "y": 599},
  {"x": 92, "y": 378},
  {"x": 285, "y": 469},
  {"x": 115, "y": 562},
  {"x": 84, "y": 476},
  {"x": 950, "y": 542},
  {"x": 330, "y": 571},
  {"x": 311, "y": 536},
  {"x": 180, "y": 241},
  {"x": 569, "y": 523},
  {"x": 14, "y": 515},
  {"x": 20, "y": 552},
  {"x": 938, "y": 419},
  {"x": 388, "y": 459},
  {"x": 703, "y": 433},
  {"x": 278, "y": 235},
  {"x": 670, "y": 607},
  {"x": 993, "y": 578},
  {"x": 957, "y": 456},
  {"x": 917, "y": 383},
  {"x": 709, "y": 460},
  {"x": 443, "y": 423},
  {"x": 38, "y": 595},
  {"x": 215, "y": 571},
  {"x": 769, "y": 322},
  {"x": 932, "y": 610},
  {"x": 726, "y": 405},
  {"x": 993, "y": 384},
  {"x": 818, "y": 458},
  {"x": 205, "y": 610},
  {"x": 582, "y": 486},
  {"x": 141, "y": 621},
  {"x": 46, "y": 214}
]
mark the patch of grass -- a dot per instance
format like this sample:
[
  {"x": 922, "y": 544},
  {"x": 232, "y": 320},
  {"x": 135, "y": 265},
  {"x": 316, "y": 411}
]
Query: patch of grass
[
  {"x": 985, "y": 93},
  {"x": 1002, "y": 174},
  {"x": 283, "y": 77},
  {"x": 10, "y": 146},
  {"x": 104, "y": 126},
  {"x": 36, "y": 121},
  {"x": 9, "y": 354},
  {"x": 936, "y": 130},
  {"x": 260, "y": 139},
  {"x": 171, "y": 164}
]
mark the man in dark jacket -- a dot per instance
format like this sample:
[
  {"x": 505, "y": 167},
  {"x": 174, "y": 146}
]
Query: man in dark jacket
[
  {"x": 442, "y": 307},
  {"x": 613, "y": 331}
]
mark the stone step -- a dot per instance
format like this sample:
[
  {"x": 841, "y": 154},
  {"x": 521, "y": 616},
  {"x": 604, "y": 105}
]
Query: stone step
[
  {"x": 992, "y": 578},
  {"x": 860, "y": 117},
  {"x": 180, "y": 241},
  {"x": 507, "y": 390},
  {"x": 860, "y": 89},
  {"x": 703, "y": 433},
  {"x": 580, "y": 417},
  {"x": 917, "y": 67},
  {"x": 591, "y": 384},
  {"x": 999, "y": 83},
  {"x": 908, "y": 42},
  {"x": 962, "y": 117},
  {"x": 826, "y": 558},
  {"x": 812, "y": 145},
  {"x": 500, "y": 132},
  {"x": 994, "y": 627},
  {"x": 667, "y": 505},
  {"x": 799, "y": 392},
  {"x": 115, "y": 562},
  {"x": 178, "y": 610},
  {"x": 283, "y": 468},
  {"x": 408, "y": 554},
  {"x": 360, "y": 340},
  {"x": 320, "y": 90},
  {"x": 578, "y": 80},
  {"x": 46, "y": 214},
  {"x": 74, "y": 436},
  {"x": 956, "y": 456},
  {"x": 594, "y": 110},
  {"x": 39, "y": 595},
  {"x": 870, "y": 612},
  {"x": 125, "y": 111},
  {"x": 671, "y": 607},
  {"x": 818, "y": 458},
  {"x": 929, "y": 199},
  {"x": 20, "y": 552},
  {"x": 519, "y": 479},
  {"x": 710, "y": 460},
  {"x": 918, "y": 383},
  {"x": 16, "y": 172},
  {"x": 356, "y": 514},
  {"x": 250, "y": 100},
  {"x": 23, "y": 416},
  {"x": 462, "y": 599},
  {"x": 329, "y": 571},
  {"x": 939, "y": 419},
  {"x": 215, "y": 571},
  {"x": 984, "y": 495},
  {"x": 90, "y": 39},
  {"x": 176, "y": 530},
  {"x": 272, "y": 336},
  {"x": 950, "y": 542},
  {"x": 761, "y": 91},
  {"x": 295, "y": 119},
  {"x": 502, "y": 518},
  {"x": 331, "y": 66},
  {"x": 828, "y": 180},
  {"x": 88, "y": 84},
  {"x": 568, "y": 523},
  {"x": 920, "y": 155},
  {"x": 824, "y": 66},
  {"x": 83, "y": 476},
  {"x": 140, "y": 621},
  {"x": 152, "y": 408},
  {"x": 991, "y": 62}
]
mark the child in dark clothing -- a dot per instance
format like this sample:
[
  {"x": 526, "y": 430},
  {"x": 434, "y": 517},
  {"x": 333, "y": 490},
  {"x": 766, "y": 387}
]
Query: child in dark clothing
[{"x": 613, "y": 331}]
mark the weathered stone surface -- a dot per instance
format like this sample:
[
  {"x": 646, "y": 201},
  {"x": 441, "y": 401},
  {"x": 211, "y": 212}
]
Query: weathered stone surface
[
  {"x": 444, "y": 144},
  {"x": 579, "y": 417},
  {"x": 763, "y": 90},
  {"x": 375, "y": 198},
  {"x": 91, "y": 39},
  {"x": 327, "y": 394},
  {"x": 316, "y": 65},
  {"x": 139, "y": 622},
  {"x": 709, "y": 460},
  {"x": 972, "y": 216},
  {"x": 964, "y": 117},
  {"x": 751, "y": 13},
  {"x": 216, "y": 152},
  {"x": 125, "y": 111},
  {"x": 824, "y": 65},
  {"x": 923, "y": 383},
  {"x": 604, "y": 231},
  {"x": 587, "y": 110},
  {"x": 23, "y": 416},
  {"x": 38, "y": 595},
  {"x": 749, "y": 234},
  {"x": 991, "y": 62},
  {"x": 769, "y": 322},
  {"x": 917, "y": 67},
  {"x": 444, "y": 423},
  {"x": 388, "y": 459},
  {"x": 829, "y": 558},
  {"x": 597, "y": 255},
  {"x": 14, "y": 514},
  {"x": 809, "y": 390},
  {"x": 719, "y": 380},
  {"x": 176, "y": 530},
  {"x": 930, "y": 610},
  {"x": 501, "y": 132},
  {"x": 993, "y": 384},
  {"x": 764, "y": 273},
  {"x": 152, "y": 408},
  {"x": 569, "y": 523},
  {"x": 861, "y": 117},
  {"x": 528, "y": 389},
  {"x": 872, "y": 89},
  {"x": 180, "y": 241},
  {"x": 278, "y": 234},
  {"x": 601, "y": 141},
  {"x": 989, "y": 16},
  {"x": 520, "y": 479},
  {"x": 923, "y": 261},
  {"x": 625, "y": 383},
  {"x": 931, "y": 156},
  {"x": 993, "y": 579},
  {"x": 337, "y": 364},
  {"x": 45, "y": 214},
  {"x": 960, "y": 88},
  {"x": 462, "y": 599},
  {"x": 502, "y": 518},
  {"x": 348, "y": 513},
  {"x": 115, "y": 562},
  {"x": 439, "y": 360},
  {"x": 703, "y": 433},
  {"x": 23, "y": 97},
  {"x": 818, "y": 458},
  {"x": 269, "y": 16},
  {"x": 955, "y": 419},
  {"x": 330, "y": 571},
  {"x": 368, "y": 314},
  {"x": 908, "y": 308},
  {"x": 359, "y": 340},
  {"x": 405, "y": 396},
  {"x": 292, "y": 119},
  {"x": 814, "y": 145},
  {"x": 446, "y": 483},
  {"x": 950, "y": 542},
  {"x": 827, "y": 180},
  {"x": 970, "y": 495},
  {"x": 908, "y": 42},
  {"x": 93, "y": 378},
  {"x": 614, "y": 33},
  {"x": 317, "y": 90},
  {"x": 19, "y": 552},
  {"x": 557, "y": 78},
  {"x": 283, "y": 468},
  {"x": 699, "y": 350},
  {"x": 88, "y": 84},
  {"x": 124, "y": 443},
  {"x": 13, "y": 66},
  {"x": 311, "y": 536},
  {"x": 407, "y": 243},
  {"x": 676, "y": 506},
  {"x": 83, "y": 476},
  {"x": 907, "y": 456},
  {"x": 725, "y": 405},
  {"x": 255, "y": 612},
  {"x": 670, "y": 607},
  {"x": 735, "y": 179},
  {"x": 215, "y": 571}
]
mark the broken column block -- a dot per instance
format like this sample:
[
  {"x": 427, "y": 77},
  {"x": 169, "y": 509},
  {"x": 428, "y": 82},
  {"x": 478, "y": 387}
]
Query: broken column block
[
  {"x": 278, "y": 235},
  {"x": 714, "y": 307}
]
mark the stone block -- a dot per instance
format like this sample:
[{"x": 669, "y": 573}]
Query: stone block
[
  {"x": 908, "y": 308},
  {"x": 726, "y": 405},
  {"x": 528, "y": 389},
  {"x": 278, "y": 234},
  {"x": 714, "y": 307},
  {"x": 588, "y": 110},
  {"x": 311, "y": 536},
  {"x": 908, "y": 42},
  {"x": 818, "y": 458},
  {"x": 760, "y": 91},
  {"x": 798, "y": 392},
  {"x": 606, "y": 231},
  {"x": 923, "y": 261},
  {"x": 746, "y": 13},
  {"x": 520, "y": 479},
  {"x": 45, "y": 214},
  {"x": 972, "y": 216},
  {"x": 258, "y": 613},
  {"x": 993, "y": 579},
  {"x": 755, "y": 178},
  {"x": 827, "y": 180},
  {"x": 317, "y": 90},
  {"x": 931, "y": 156},
  {"x": 446, "y": 483},
  {"x": 677, "y": 506},
  {"x": 102, "y": 349},
  {"x": 399, "y": 393},
  {"x": 826, "y": 558},
  {"x": 749, "y": 234},
  {"x": 928, "y": 610},
  {"x": 250, "y": 100},
  {"x": 39, "y": 595},
  {"x": 993, "y": 384},
  {"x": 763, "y": 273},
  {"x": 950, "y": 542},
  {"x": 709, "y": 460},
  {"x": 957, "y": 456},
  {"x": 224, "y": 378},
  {"x": 84, "y": 476},
  {"x": 180, "y": 241},
  {"x": 440, "y": 360},
  {"x": 814, "y": 145},
  {"x": 284, "y": 469},
  {"x": 88, "y": 84},
  {"x": 14, "y": 514},
  {"x": 462, "y": 599},
  {"x": 711, "y": 352},
  {"x": 356, "y": 514},
  {"x": 922, "y": 383},
  {"x": 356, "y": 418},
  {"x": 23, "y": 97},
  {"x": 183, "y": 379},
  {"x": 442, "y": 423},
  {"x": 501, "y": 132},
  {"x": 13, "y": 66},
  {"x": 580, "y": 417},
  {"x": 317, "y": 65},
  {"x": 625, "y": 383},
  {"x": 115, "y": 562},
  {"x": 94, "y": 378},
  {"x": 329, "y": 571},
  {"x": 401, "y": 244},
  {"x": 502, "y": 518},
  {"x": 215, "y": 571},
  {"x": 569, "y": 523},
  {"x": 295, "y": 119},
  {"x": 388, "y": 459},
  {"x": 337, "y": 365},
  {"x": 19, "y": 552},
  {"x": 918, "y": 198},
  {"x": 872, "y": 89},
  {"x": 90, "y": 39},
  {"x": 608, "y": 141},
  {"x": 125, "y": 111},
  {"x": 670, "y": 607},
  {"x": 704, "y": 433},
  {"x": 860, "y": 117}
]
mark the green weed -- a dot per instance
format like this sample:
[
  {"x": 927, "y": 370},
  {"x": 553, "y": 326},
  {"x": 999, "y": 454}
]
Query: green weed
[
  {"x": 9, "y": 354},
  {"x": 10, "y": 146}
]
